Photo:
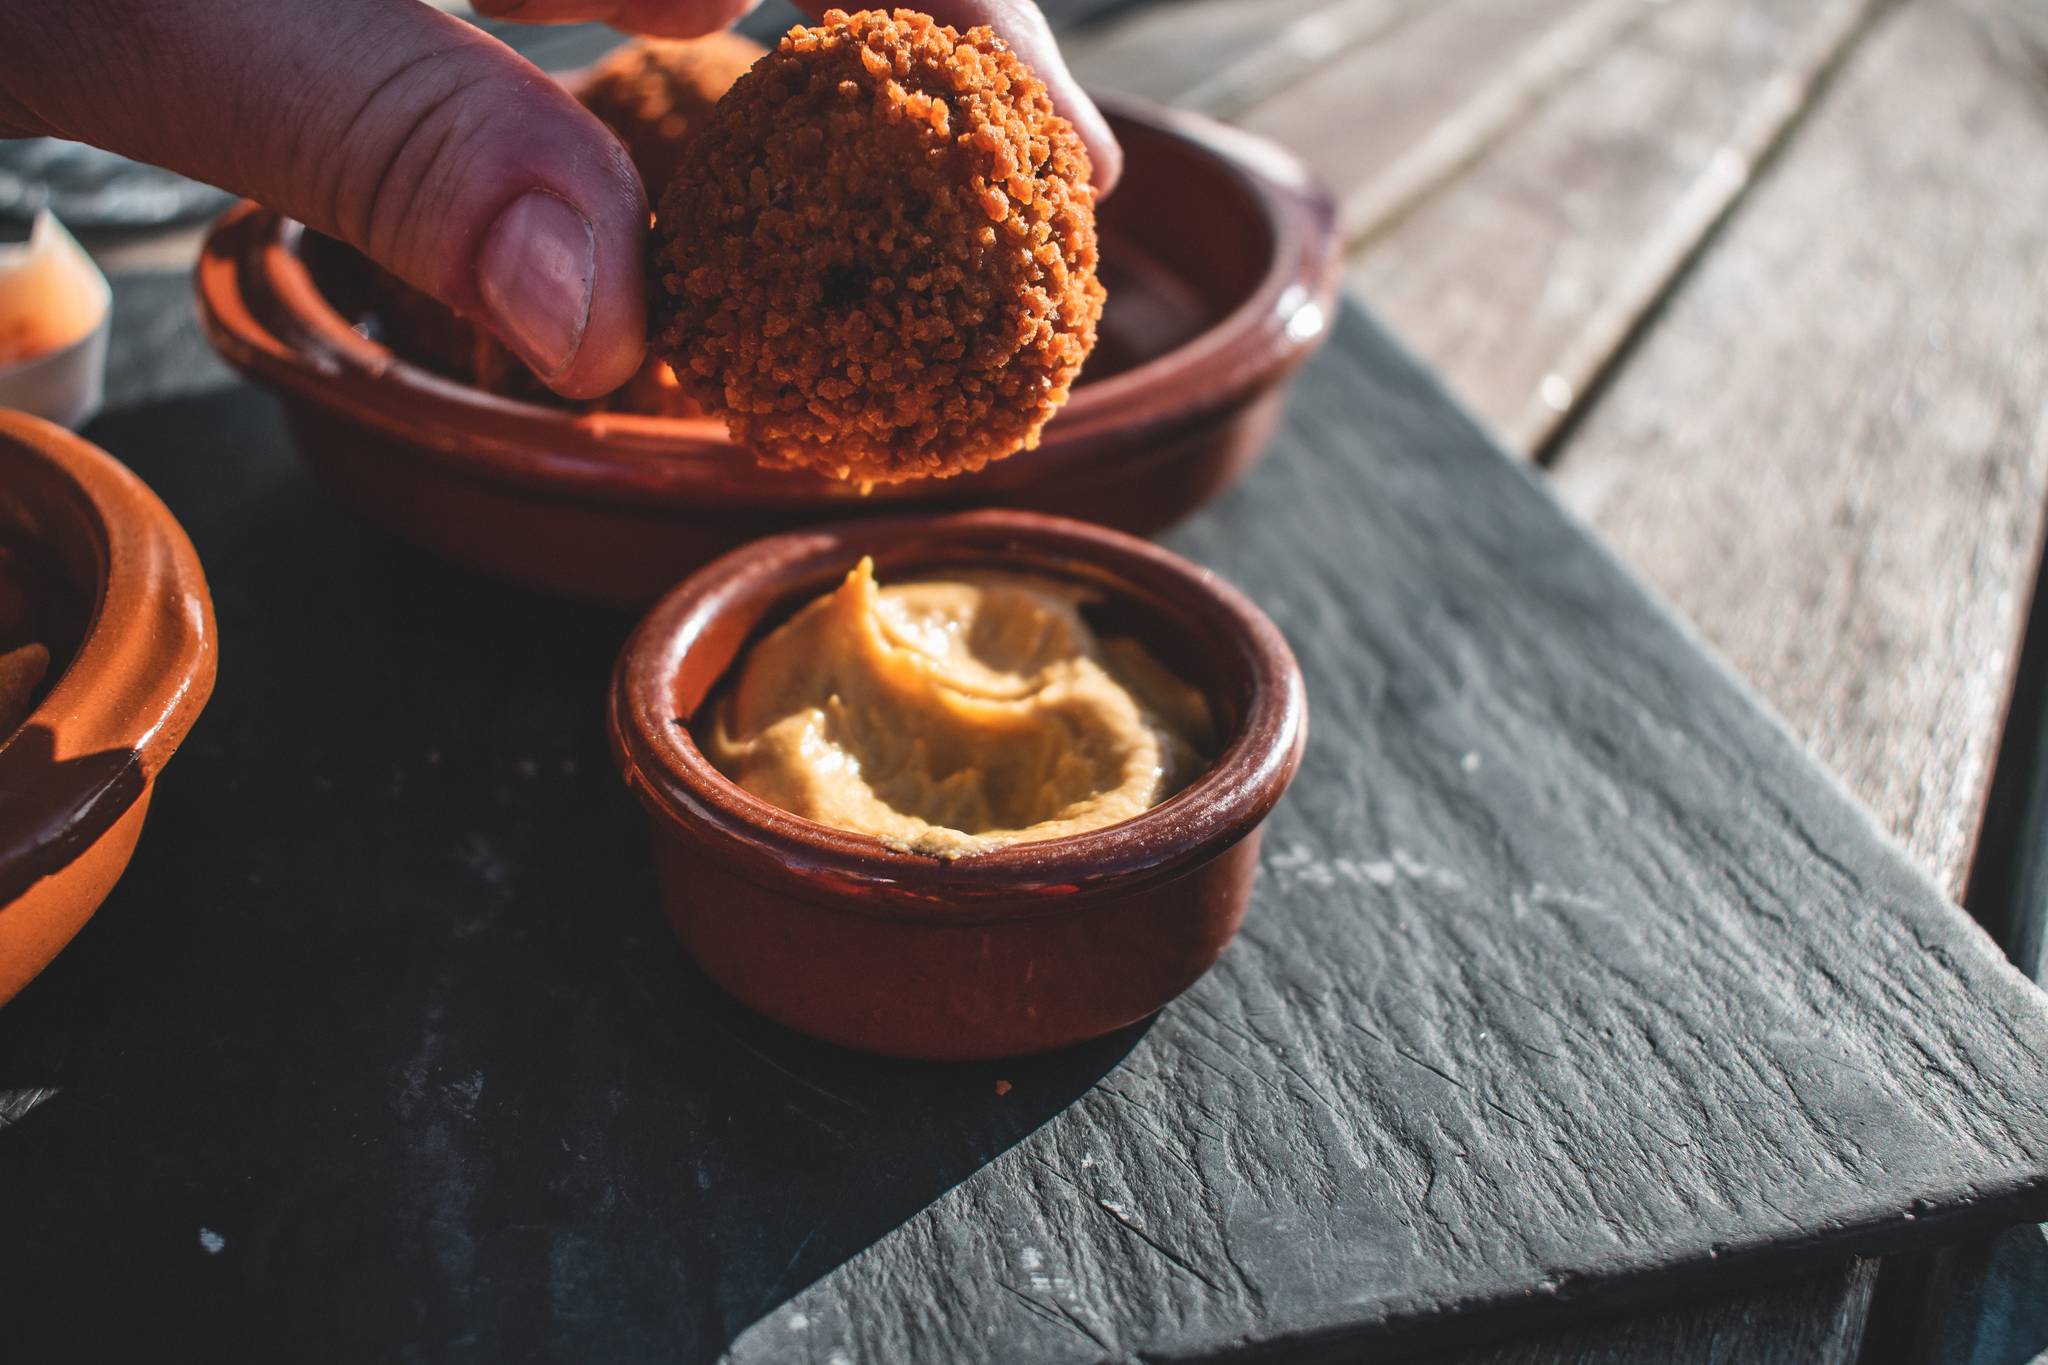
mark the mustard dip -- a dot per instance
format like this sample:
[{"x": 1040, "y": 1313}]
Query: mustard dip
[{"x": 956, "y": 716}]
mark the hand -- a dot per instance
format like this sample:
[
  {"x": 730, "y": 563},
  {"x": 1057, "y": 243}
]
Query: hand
[
  {"x": 1019, "y": 23},
  {"x": 424, "y": 143}
]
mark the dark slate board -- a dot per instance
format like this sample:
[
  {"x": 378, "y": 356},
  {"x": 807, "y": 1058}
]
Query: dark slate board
[{"x": 1569, "y": 982}]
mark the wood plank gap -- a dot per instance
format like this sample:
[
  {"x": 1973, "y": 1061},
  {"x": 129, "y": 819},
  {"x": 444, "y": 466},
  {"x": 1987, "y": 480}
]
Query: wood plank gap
[
  {"x": 1655, "y": 270},
  {"x": 1969, "y": 1304},
  {"x": 2008, "y": 886},
  {"x": 1480, "y": 124},
  {"x": 1067, "y": 16},
  {"x": 1497, "y": 275},
  {"x": 1225, "y": 56},
  {"x": 1303, "y": 45}
]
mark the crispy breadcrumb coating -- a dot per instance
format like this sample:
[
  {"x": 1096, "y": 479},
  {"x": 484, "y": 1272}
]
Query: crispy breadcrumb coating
[
  {"x": 878, "y": 259},
  {"x": 656, "y": 94}
]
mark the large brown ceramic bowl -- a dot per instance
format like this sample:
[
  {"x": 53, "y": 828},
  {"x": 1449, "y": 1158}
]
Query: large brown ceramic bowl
[
  {"x": 1219, "y": 253},
  {"x": 121, "y": 602},
  {"x": 1029, "y": 947}
]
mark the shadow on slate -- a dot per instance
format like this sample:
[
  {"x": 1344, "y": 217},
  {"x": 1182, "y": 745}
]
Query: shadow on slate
[
  {"x": 385, "y": 1002},
  {"x": 1988, "y": 1302},
  {"x": 1569, "y": 982}
]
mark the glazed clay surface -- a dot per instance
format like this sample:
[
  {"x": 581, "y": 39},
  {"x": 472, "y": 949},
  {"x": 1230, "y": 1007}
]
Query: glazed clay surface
[
  {"x": 1024, "y": 948},
  {"x": 131, "y": 626}
]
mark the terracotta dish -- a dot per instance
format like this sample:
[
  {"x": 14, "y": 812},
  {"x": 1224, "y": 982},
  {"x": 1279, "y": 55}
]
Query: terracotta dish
[
  {"x": 1029, "y": 947},
  {"x": 130, "y": 625},
  {"x": 1220, "y": 256}
]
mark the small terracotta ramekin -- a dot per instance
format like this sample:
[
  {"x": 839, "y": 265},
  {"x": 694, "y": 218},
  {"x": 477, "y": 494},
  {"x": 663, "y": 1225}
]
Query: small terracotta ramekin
[
  {"x": 1220, "y": 253},
  {"x": 133, "y": 664},
  {"x": 1030, "y": 947}
]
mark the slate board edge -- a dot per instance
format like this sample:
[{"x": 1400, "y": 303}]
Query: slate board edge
[
  {"x": 1993, "y": 1206},
  {"x": 1426, "y": 377},
  {"x": 1655, "y": 1283}
]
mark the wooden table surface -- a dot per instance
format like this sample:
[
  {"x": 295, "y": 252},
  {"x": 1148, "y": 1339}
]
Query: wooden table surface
[{"x": 1761, "y": 284}]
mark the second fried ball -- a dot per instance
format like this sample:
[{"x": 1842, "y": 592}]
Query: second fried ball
[{"x": 654, "y": 94}]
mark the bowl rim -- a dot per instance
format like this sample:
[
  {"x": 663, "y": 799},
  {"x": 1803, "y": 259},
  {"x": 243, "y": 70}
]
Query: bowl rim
[
  {"x": 143, "y": 670},
  {"x": 263, "y": 312},
  {"x": 685, "y": 794}
]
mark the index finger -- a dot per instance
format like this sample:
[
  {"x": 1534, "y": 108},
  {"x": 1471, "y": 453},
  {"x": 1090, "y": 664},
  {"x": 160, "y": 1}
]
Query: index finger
[
  {"x": 1017, "y": 22},
  {"x": 1022, "y": 25}
]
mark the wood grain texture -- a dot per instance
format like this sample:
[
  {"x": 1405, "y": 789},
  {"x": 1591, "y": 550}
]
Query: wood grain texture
[
  {"x": 1394, "y": 118},
  {"x": 1570, "y": 980},
  {"x": 1522, "y": 279},
  {"x": 1223, "y": 56},
  {"x": 1841, "y": 415}
]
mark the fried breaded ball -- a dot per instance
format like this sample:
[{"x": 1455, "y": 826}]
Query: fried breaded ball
[
  {"x": 878, "y": 259},
  {"x": 655, "y": 94}
]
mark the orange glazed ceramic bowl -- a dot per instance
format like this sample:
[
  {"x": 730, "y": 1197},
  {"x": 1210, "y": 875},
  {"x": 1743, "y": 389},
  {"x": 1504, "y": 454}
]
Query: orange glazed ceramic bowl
[
  {"x": 1220, "y": 257},
  {"x": 119, "y": 598},
  {"x": 1029, "y": 947}
]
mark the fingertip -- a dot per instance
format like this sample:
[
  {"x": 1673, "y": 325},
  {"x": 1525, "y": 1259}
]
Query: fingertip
[
  {"x": 560, "y": 271},
  {"x": 1110, "y": 158},
  {"x": 560, "y": 278},
  {"x": 614, "y": 348},
  {"x": 1022, "y": 24},
  {"x": 612, "y": 343},
  {"x": 615, "y": 342},
  {"x": 1105, "y": 153}
]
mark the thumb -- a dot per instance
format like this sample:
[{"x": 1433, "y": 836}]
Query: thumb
[{"x": 430, "y": 147}]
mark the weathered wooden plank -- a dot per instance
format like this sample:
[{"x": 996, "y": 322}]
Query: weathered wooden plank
[
  {"x": 1395, "y": 120},
  {"x": 1522, "y": 279},
  {"x": 1221, "y": 56},
  {"x": 1830, "y": 452}
]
